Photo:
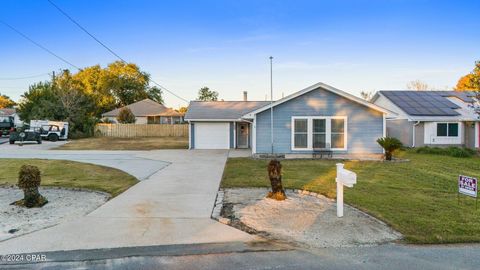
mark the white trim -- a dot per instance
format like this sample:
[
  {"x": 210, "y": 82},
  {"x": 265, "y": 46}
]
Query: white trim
[
  {"x": 431, "y": 136},
  {"x": 477, "y": 144},
  {"x": 314, "y": 87},
  {"x": 234, "y": 135},
  {"x": 189, "y": 135},
  {"x": 254, "y": 135},
  {"x": 213, "y": 120},
  {"x": 384, "y": 129},
  {"x": 328, "y": 132}
]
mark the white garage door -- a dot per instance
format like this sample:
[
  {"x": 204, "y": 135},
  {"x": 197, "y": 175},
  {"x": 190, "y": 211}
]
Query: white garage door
[{"x": 212, "y": 135}]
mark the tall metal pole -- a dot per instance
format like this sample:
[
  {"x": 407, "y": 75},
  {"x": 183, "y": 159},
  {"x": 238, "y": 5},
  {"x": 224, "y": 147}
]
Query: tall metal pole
[{"x": 271, "y": 101}]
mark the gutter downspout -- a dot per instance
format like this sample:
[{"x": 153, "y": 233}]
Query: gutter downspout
[{"x": 413, "y": 139}]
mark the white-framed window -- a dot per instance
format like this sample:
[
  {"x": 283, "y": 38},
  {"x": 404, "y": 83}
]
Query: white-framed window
[
  {"x": 447, "y": 129},
  {"x": 319, "y": 132}
]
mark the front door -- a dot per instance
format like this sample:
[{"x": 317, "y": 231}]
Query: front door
[{"x": 242, "y": 135}]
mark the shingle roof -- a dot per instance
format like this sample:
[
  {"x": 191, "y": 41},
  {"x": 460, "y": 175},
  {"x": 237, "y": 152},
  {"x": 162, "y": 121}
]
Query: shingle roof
[
  {"x": 427, "y": 103},
  {"x": 216, "y": 110},
  {"x": 6, "y": 111},
  {"x": 144, "y": 107}
]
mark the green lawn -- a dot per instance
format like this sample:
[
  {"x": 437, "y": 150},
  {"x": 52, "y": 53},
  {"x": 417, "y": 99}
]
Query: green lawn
[
  {"x": 73, "y": 174},
  {"x": 417, "y": 198}
]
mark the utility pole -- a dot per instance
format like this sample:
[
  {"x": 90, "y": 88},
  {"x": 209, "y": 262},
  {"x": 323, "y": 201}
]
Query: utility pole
[
  {"x": 53, "y": 79},
  {"x": 271, "y": 101}
]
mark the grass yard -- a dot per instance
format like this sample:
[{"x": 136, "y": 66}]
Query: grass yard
[
  {"x": 71, "y": 174},
  {"x": 111, "y": 143},
  {"x": 417, "y": 198}
]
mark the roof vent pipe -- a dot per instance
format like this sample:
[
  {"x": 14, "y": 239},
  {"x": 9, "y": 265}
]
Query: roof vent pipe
[{"x": 245, "y": 96}]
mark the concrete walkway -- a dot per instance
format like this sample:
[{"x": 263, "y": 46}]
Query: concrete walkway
[{"x": 171, "y": 206}]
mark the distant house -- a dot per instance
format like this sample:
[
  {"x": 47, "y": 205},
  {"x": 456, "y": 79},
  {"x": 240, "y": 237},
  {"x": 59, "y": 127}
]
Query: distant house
[
  {"x": 431, "y": 118},
  {"x": 148, "y": 111},
  {"x": 11, "y": 112},
  {"x": 318, "y": 117}
]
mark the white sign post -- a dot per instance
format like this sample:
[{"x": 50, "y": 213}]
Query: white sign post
[{"x": 344, "y": 178}]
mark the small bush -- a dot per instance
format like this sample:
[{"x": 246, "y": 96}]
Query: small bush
[
  {"x": 29, "y": 180},
  {"x": 29, "y": 177},
  {"x": 125, "y": 116},
  {"x": 390, "y": 144},
  {"x": 452, "y": 151}
]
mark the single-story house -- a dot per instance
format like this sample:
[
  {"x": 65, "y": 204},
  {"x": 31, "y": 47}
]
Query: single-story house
[
  {"x": 148, "y": 111},
  {"x": 11, "y": 112},
  {"x": 317, "y": 117},
  {"x": 431, "y": 118}
]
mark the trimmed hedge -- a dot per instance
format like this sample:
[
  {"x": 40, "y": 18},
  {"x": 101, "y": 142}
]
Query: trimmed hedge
[{"x": 461, "y": 152}]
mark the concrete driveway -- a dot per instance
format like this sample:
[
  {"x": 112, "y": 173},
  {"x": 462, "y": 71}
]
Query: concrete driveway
[{"x": 172, "y": 205}]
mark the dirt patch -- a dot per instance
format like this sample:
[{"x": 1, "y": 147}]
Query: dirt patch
[
  {"x": 302, "y": 219},
  {"x": 64, "y": 204}
]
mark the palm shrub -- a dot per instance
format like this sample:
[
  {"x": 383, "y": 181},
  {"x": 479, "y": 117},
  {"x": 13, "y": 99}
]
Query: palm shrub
[
  {"x": 29, "y": 180},
  {"x": 125, "y": 116},
  {"x": 389, "y": 144},
  {"x": 275, "y": 175}
]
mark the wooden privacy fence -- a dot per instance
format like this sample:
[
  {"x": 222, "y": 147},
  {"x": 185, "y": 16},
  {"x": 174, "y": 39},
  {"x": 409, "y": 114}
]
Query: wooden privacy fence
[{"x": 141, "y": 130}]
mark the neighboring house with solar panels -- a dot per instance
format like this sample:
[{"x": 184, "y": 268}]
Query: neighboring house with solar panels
[
  {"x": 317, "y": 117},
  {"x": 431, "y": 118}
]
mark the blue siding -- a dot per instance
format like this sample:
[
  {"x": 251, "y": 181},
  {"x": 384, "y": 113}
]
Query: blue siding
[
  {"x": 364, "y": 125},
  {"x": 232, "y": 126},
  {"x": 192, "y": 136}
]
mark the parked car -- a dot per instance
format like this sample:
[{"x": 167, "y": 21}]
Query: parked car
[
  {"x": 25, "y": 136},
  {"x": 6, "y": 125},
  {"x": 51, "y": 130}
]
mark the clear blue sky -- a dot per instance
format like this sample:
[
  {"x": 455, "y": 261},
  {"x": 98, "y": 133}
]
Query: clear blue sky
[{"x": 353, "y": 45}]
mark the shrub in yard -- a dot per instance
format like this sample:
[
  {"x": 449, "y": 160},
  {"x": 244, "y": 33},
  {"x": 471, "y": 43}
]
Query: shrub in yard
[
  {"x": 449, "y": 151},
  {"x": 390, "y": 144},
  {"x": 29, "y": 180},
  {"x": 275, "y": 175},
  {"x": 125, "y": 116}
]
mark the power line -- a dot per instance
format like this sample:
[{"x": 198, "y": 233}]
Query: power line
[
  {"x": 38, "y": 44},
  {"x": 24, "y": 77},
  {"x": 106, "y": 47},
  {"x": 85, "y": 30}
]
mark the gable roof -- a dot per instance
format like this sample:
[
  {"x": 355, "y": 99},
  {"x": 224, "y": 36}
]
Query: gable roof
[
  {"x": 315, "y": 87},
  {"x": 221, "y": 110},
  {"x": 427, "y": 103},
  {"x": 146, "y": 107}
]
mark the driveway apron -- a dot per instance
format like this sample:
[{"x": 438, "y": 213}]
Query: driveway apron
[{"x": 171, "y": 205}]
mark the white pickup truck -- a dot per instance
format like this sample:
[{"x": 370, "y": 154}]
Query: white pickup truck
[{"x": 50, "y": 130}]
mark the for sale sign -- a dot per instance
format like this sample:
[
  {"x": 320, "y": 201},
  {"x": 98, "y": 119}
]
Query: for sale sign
[{"x": 467, "y": 185}]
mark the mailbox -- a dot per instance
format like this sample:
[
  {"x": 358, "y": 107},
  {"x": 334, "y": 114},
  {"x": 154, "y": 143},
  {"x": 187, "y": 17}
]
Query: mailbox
[{"x": 344, "y": 178}]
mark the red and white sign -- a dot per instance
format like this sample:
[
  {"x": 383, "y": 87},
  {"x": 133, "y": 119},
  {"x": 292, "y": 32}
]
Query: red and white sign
[{"x": 468, "y": 185}]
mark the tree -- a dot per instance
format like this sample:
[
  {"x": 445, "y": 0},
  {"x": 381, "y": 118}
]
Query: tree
[
  {"x": 119, "y": 84},
  {"x": 367, "y": 95},
  {"x": 205, "y": 94},
  {"x": 154, "y": 93},
  {"x": 275, "y": 176},
  {"x": 182, "y": 110},
  {"x": 418, "y": 86},
  {"x": 6, "y": 102},
  {"x": 125, "y": 116},
  {"x": 61, "y": 103},
  {"x": 470, "y": 81},
  {"x": 389, "y": 144}
]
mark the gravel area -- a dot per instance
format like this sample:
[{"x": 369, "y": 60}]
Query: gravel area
[
  {"x": 305, "y": 219},
  {"x": 63, "y": 204}
]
